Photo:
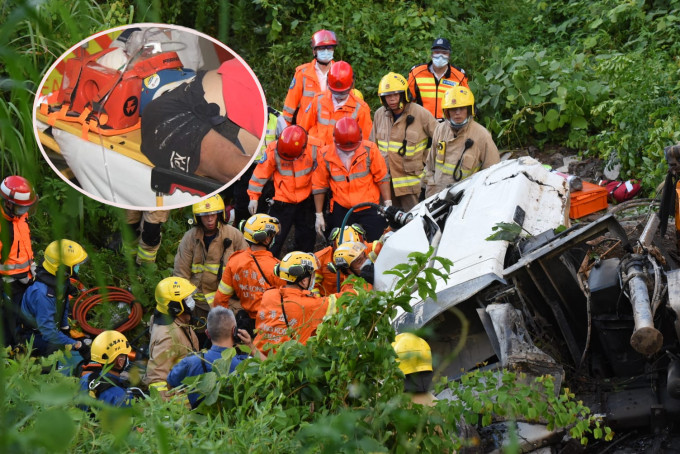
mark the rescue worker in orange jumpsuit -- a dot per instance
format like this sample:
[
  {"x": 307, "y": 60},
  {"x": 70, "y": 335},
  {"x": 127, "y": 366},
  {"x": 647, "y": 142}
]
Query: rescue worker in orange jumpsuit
[
  {"x": 293, "y": 306},
  {"x": 291, "y": 161},
  {"x": 250, "y": 272},
  {"x": 310, "y": 78},
  {"x": 326, "y": 279},
  {"x": 354, "y": 171},
  {"x": 17, "y": 268},
  {"x": 339, "y": 101},
  {"x": 460, "y": 146},
  {"x": 429, "y": 81},
  {"x": 350, "y": 259},
  {"x": 205, "y": 249},
  {"x": 403, "y": 131}
]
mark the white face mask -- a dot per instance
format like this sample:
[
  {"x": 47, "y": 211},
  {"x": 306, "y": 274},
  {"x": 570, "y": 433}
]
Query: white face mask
[
  {"x": 324, "y": 56},
  {"x": 190, "y": 303},
  {"x": 439, "y": 60}
]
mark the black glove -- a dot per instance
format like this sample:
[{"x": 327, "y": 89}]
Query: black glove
[{"x": 84, "y": 349}]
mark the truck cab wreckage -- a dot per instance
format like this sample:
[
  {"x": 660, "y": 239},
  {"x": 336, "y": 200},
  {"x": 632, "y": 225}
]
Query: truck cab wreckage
[{"x": 551, "y": 301}]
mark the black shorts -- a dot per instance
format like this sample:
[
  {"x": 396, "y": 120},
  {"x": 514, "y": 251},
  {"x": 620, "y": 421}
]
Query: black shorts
[{"x": 174, "y": 124}]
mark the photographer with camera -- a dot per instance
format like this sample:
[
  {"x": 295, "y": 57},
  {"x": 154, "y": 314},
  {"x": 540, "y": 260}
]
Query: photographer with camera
[{"x": 223, "y": 332}]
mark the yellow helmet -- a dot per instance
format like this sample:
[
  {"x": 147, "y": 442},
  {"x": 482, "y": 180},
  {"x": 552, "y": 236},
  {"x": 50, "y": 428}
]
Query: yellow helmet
[
  {"x": 107, "y": 346},
  {"x": 211, "y": 205},
  {"x": 357, "y": 93},
  {"x": 257, "y": 228},
  {"x": 296, "y": 266},
  {"x": 459, "y": 97},
  {"x": 347, "y": 253},
  {"x": 354, "y": 232},
  {"x": 392, "y": 83},
  {"x": 413, "y": 353},
  {"x": 174, "y": 296},
  {"x": 63, "y": 252}
]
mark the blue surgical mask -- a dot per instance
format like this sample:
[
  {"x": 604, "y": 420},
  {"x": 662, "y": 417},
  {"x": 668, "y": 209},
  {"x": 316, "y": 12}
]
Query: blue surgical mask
[
  {"x": 324, "y": 56},
  {"x": 439, "y": 61},
  {"x": 76, "y": 268}
]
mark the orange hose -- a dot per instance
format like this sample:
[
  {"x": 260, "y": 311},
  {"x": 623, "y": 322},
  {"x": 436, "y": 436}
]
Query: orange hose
[{"x": 87, "y": 300}]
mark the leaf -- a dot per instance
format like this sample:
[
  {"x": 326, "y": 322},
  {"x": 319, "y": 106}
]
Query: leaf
[
  {"x": 552, "y": 115},
  {"x": 505, "y": 231},
  {"x": 55, "y": 429},
  {"x": 579, "y": 123}
]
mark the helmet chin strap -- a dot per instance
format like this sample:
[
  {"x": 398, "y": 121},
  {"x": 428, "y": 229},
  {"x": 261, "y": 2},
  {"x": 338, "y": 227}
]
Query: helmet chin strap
[{"x": 458, "y": 126}]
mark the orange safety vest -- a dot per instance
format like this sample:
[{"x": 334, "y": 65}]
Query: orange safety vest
[
  {"x": 428, "y": 91},
  {"x": 17, "y": 260},
  {"x": 292, "y": 179},
  {"x": 358, "y": 184},
  {"x": 243, "y": 277},
  {"x": 303, "y": 88},
  {"x": 320, "y": 116}
]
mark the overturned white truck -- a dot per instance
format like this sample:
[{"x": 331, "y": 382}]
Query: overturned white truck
[{"x": 531, "y": 305}]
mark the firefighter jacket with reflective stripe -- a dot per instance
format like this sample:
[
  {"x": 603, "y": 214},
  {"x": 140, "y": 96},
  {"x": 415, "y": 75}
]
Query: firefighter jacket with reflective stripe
[
  {"x": 358, "y": 184},
  {"x": 17, "y": 254},
  {"x": 303, "y": 88},
  {"x": 200, "y": 265},
  {"x": 446, "y": 151},
  {"x": 428, "y": 91},
  {"x": 320, "y": 116},
  {"x": 242, "y": 277},
  {"x": 293, "y": 308},
  {"x": 403, "y": 143},
  {"x": 171, "y": 340},
  {"x": 292, "y": 179}
]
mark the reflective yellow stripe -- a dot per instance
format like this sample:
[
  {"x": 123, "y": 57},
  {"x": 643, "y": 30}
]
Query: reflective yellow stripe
[
  {"x": 401, "y": 182},
  {"x": 16, "y": 266},
  {"x": 210, "y": 297},
  {"x": 159, "y": 385},
  {"x": 145, "y": 255},
  {"x": 225, "y": 289},
  {"x": 332, "y": 309},
  {"x": 209, "y": 267},
  {"x": 394, "y": 147},
  {"x": 448, "y": 169}
]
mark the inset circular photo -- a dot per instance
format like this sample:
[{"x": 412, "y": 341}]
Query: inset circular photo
[{"x": 150, "y": 115}]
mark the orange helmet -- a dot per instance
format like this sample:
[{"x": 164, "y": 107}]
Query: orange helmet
[
  {"x": 347, "y": 134},
  {"x": 324, "y": 38},
  {"x": 292, "y": 142},
  {"x": 340, "y": 76}
]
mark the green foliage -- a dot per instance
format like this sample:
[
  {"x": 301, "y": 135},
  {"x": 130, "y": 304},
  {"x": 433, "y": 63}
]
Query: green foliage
[
  {"x": 505, "y": 231},
  {"x": 483, "y": 397}
]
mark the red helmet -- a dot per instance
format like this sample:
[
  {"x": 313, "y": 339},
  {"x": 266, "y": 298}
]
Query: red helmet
[
  {"x": 18, "y": 190},
  {"x": 292, "y": 142},
  {"x": 324, "y": 38},
  {"x": 347, "y": 134},
  {"x": 340, "y": 76}
]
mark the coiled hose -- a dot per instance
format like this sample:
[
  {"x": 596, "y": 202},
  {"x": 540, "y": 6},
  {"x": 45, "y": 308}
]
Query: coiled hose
[{"x": 87, "y": 300}]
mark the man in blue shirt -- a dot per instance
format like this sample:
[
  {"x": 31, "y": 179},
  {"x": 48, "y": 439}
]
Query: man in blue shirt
[
  {"x": 45, "y": 304},
  {"x": 223, "y": 333},
  {"x": 109, "y": 353}
]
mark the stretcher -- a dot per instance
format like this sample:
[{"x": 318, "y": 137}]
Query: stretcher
[{"x": 112, "y": 169}]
